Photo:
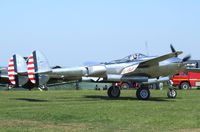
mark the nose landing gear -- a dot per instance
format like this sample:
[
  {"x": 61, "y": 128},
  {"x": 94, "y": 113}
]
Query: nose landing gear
[{"x": 172, "y": 93}]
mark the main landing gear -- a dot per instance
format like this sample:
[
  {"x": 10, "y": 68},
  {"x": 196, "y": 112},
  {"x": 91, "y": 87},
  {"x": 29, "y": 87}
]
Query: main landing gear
[
  {"x": 10, "y": 86},
  {"x": 142, "y": 93},
  {"x": 43, "y": 87},
  {"x": 114, "y": 92}
]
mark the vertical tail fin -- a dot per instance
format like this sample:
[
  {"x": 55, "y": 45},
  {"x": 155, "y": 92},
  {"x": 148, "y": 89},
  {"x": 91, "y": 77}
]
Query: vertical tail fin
[
  {"x": 38, "y": 68},
  {"x": 17, "y": 70},
  {"x": 31, "y": 69},
  {"x": 12, "y": 70}
]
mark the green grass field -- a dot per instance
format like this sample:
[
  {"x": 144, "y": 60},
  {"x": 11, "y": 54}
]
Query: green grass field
[{"x": 88, "y": 110}]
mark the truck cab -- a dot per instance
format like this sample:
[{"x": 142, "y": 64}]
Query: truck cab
[{"x": 186, "y": 80}]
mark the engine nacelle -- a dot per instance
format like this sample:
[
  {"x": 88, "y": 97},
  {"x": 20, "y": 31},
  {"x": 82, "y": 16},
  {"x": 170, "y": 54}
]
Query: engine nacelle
[{"x": 96, "y": 71}]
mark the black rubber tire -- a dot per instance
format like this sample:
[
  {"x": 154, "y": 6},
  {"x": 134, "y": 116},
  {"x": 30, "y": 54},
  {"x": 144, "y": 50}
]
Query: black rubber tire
[
  {"x": 143, "y": 93},
  {"x": 185, "y": 86},
  {"x": 114, "y": 92},
  {"x": 172, "y": 93},
  {"x": 10, "y": 87},
  {"x": 43, "y": 87}
]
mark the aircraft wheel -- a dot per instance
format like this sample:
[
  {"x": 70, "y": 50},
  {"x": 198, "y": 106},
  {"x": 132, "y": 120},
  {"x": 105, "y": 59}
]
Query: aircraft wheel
[
  {"x": 10, "y": 86},
  {"x": 143, "y": 93},
  {"x": 43, "y": 87},
  {"x": 172, "y": 93},
  {"x": 114, "y": 92}
]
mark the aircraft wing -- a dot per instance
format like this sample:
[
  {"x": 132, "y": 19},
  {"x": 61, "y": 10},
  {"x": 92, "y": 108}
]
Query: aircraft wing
[{"x": 159, "y": 59}]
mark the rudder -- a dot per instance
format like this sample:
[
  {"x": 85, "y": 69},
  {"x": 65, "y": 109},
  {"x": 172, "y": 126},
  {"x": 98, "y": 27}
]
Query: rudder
[{"x": 38, "y": 68}]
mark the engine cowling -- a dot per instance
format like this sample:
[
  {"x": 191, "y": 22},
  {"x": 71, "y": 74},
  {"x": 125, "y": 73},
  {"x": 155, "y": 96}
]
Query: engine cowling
[{"x": 96, "y": 71}]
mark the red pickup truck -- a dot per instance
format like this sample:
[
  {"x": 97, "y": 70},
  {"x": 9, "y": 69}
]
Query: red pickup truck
[{"x": 186, "y": 80}]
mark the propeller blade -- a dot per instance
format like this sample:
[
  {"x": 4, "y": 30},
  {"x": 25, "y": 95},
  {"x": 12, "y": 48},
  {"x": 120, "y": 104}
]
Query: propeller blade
[
  {"x": 186, "y": 58},
  {"x": 173, "y": 49}
]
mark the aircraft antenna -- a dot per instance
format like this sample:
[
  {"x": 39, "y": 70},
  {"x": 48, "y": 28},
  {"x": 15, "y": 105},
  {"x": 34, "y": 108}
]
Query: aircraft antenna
[{"x": 147, "y": 48}]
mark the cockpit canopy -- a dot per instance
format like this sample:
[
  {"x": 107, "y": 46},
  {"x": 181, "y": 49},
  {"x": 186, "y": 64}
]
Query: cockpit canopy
[{"x": 132, "y": 57}]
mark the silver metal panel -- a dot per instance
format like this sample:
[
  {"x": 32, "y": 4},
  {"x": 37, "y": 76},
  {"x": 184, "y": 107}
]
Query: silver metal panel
[
  {"x": 69, "y": 72},
  {"x": 117, "y": 78}
]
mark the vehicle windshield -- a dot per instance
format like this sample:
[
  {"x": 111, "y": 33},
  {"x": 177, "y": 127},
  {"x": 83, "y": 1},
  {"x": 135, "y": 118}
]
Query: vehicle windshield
[{"x": 132, "y": 57}]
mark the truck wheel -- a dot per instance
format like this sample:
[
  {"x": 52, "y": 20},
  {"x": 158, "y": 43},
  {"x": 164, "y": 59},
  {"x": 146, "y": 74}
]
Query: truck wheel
[
  {"x": 125, "y": 86},
  {"x": 185, "y": 85},
  {"x": 114, "y": 92},
  {"x": 172, "y": 93},
  {"x": 143, "y": 93}
]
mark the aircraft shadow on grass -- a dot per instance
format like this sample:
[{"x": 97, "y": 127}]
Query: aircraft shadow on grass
[
  {"x": 159, "y": 99},
  {"x": 30, "y": 100}
]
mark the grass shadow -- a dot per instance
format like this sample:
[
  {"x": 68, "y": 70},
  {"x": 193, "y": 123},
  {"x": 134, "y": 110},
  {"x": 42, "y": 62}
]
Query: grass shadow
[
  {"x": 30, "y": 100},
  {"x": 159, "y": 99}
]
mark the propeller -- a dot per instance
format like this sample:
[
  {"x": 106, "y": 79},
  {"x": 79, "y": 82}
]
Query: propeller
[{"x": 186, "y": 58}]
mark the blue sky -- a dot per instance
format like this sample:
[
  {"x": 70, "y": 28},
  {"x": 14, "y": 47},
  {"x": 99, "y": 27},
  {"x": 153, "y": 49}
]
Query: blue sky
[{"x": 72, "y": 32}]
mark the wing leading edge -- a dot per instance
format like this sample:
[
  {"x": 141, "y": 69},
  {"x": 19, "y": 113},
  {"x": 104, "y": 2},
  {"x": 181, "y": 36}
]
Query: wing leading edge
[{"x": 159, "y": 59}]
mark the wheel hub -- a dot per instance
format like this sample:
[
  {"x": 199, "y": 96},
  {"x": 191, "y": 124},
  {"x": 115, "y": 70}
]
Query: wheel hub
[
  {"x": 115, "y": 92},
  {"x": 172, "y": 93},
  {"x": 185, "y": 86},
  {"x": 144, "y": 93}
]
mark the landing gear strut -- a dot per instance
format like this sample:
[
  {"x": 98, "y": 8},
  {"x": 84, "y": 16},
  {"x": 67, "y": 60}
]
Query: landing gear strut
[
  {"x": 172, "y": 93},
  {"x": 114, "y": 92},
  {"x": 143, "y": 93},
  {"x": 10, "y": 86},
  {"x": 42, "y": 87}
]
